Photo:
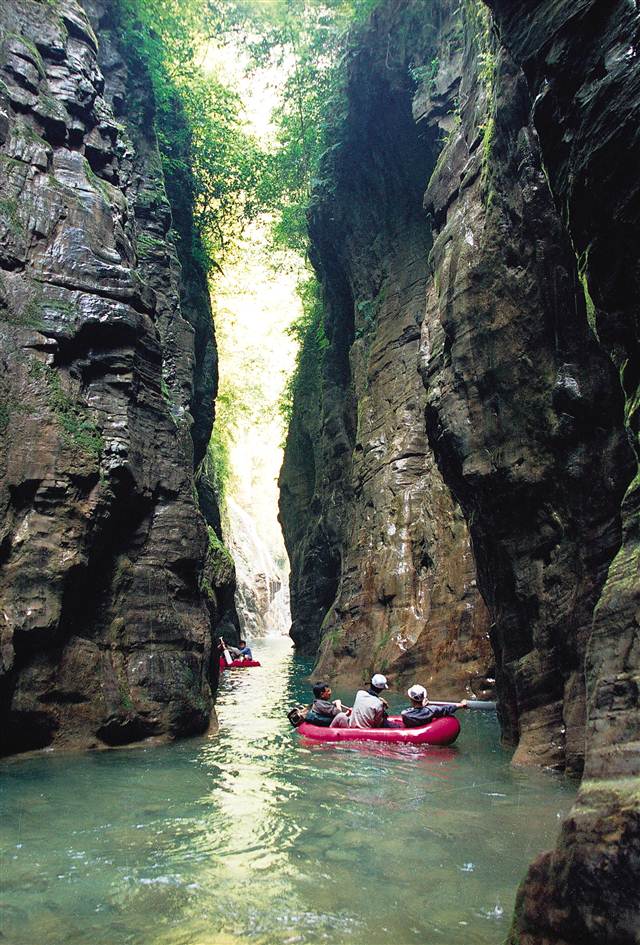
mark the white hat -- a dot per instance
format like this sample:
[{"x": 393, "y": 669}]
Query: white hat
[
  {"x": 378, "y": 681},
  {"x": 417, "y": 692}
]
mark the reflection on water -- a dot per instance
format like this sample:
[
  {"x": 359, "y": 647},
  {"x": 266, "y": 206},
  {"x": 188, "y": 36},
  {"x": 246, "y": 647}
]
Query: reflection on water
[{"x": 254, "y": 836}]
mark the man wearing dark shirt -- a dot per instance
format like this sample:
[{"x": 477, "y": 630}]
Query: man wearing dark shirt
[{"x": 422, "y": 712}]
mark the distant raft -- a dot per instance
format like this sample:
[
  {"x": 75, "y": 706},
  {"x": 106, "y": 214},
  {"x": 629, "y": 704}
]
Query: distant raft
[
  {"x": 440, "y": 732},
  {"x": 238, "y": 664}
]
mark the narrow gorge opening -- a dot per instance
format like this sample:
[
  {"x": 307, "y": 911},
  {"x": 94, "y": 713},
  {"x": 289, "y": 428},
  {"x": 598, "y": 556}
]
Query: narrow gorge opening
[
  {"x": 255, "y": 305},
  {"x": 335, "y": 298}
]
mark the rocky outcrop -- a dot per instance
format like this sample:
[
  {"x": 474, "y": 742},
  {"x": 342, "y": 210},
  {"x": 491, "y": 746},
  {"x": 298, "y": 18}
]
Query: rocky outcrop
[
  {"x": 583, "y": 74},
  {"x": 381, "y": 560},
  {"x": 523, "y": 406},
  {"x": 523, "y": 441},
  {"x": 105, "y": 630},
  {"x": 528, "y": 354}
]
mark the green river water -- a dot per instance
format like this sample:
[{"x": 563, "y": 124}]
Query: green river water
[{"x": 253, "y": 836}]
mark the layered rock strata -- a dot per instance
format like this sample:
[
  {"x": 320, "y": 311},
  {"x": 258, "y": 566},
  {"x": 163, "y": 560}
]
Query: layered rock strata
[
  {"x": 523, "y": 406},
  {"x": 583, "y": 74},
  {"x": 105, "y": 629},
  {"x": 382, "y": 571},
  {"x": 528, "y": 354},
  {"x": 524, "y": 414}
]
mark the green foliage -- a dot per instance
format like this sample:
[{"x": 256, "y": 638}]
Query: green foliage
[
  {"x": 488, "y": 135},
  {"x": 487, "y": 68},
  {"x": 218, "y": 463},
  {"x": 426, "y": 74},
  {"x": 218, "y": 567},
  {"x": 477, "y": 18},
  {"x": 9, "y": 210},
  {"x": 78, "y": 430},
  {"x": 308, "y": 331},
  {"x": 590, "y": 307},
  {"x": 211, "y": 164},
  {"x": 217, "y": 547},
  {"x": 307, "y": 39}
]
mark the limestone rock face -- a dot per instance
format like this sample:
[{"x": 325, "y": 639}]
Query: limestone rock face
[
  {"x": 261, "y": 586},
  {"x": 442, "y": 252},
  {"x": 382, "y": 572},
  {"x": 583, "y": 73},
  {"x": 105, "y": 632},
  {"x": 523, "y": 407}
]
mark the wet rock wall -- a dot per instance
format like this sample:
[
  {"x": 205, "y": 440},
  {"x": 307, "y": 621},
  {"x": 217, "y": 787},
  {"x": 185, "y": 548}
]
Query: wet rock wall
[
  {"x": 382, "y": 572},
  {"x": 523, "y": 406},
  {"x": 528, "y": 356},
  {"x": 105, "y": 403},
  {"x": 442, "y": 253},
  {"x": 583, "y": 75}
]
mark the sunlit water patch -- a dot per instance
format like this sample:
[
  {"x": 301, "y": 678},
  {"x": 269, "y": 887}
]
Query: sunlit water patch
[{"x": 252, "y": 836}]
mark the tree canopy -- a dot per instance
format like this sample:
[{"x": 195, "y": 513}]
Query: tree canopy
[{"x": 214, "y": 163}]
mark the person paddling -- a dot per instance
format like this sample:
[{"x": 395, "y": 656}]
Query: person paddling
[
  {"x": 421, "y": 712},
  {"x": 369, "y": 708},
  {"x": 242, "y": 651}
]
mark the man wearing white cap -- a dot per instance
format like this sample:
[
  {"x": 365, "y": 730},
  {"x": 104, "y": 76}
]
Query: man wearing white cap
[
  {"x": 422, "y": 712},
  {"x": 369, "y": 709}
]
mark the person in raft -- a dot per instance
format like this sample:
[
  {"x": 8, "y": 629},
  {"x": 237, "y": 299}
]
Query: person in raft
[
  {"x": 323, "y": 710},
  {"x": 240, "y": 652},
  {"x": 421, "y": 712},
  {"x": 369, "y": 708}
]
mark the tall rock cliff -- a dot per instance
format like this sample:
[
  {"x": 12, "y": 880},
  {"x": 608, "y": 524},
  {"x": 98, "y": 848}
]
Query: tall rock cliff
[
  {"x": 515, "y": 430},
  {"x": 524, "y": 409},
  {"x": 583, "y": 74},
  {"x": 108, "y": 375},
  {"x": 382, "y": 571},
  {"x": 478, "y": 226}
]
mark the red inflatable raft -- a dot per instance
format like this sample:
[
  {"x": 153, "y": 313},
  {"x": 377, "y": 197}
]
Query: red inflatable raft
[
  {"x": 238, "y": 664},
  {"x": 441, "y": 732}
]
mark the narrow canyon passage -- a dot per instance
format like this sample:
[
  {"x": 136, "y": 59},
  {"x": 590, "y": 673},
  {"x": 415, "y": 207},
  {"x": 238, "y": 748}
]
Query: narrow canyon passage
[
  {"x": 319, "y": 325},
  {"x": 252, "y": 836}
]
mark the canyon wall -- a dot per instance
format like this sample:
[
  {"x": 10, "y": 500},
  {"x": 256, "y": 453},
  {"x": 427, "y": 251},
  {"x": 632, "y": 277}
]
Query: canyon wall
[
  {"x": 477, "y": 226},
  {"x": 108, "y": 375},
  {"x": 583, "y": 74},
  {"x": 383, "y": 577},
  {"x": 461, "y": 402}
]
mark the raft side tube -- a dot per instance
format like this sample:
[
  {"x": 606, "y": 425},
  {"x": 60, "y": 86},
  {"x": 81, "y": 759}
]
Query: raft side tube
[
  {"x": 238, "y": 664},
  {"x": 439, "y": 732}
]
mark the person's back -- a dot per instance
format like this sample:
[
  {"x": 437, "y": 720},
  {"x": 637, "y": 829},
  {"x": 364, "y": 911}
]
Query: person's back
[
  {"x": 367, "y": 711},
  {"x": 244, "y": 651},
  {"x": 368, "y": 708},
  {"x": 422, "y": 712}
]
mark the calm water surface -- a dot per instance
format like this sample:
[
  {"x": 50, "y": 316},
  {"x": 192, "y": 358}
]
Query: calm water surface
[{"x": 254, "y": 836}]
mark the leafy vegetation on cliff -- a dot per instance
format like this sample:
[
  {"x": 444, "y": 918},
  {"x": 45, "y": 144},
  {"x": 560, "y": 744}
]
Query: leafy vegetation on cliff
[
  {"x": 306, "y": 40},
  {"x": 211, "y": 163}
]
